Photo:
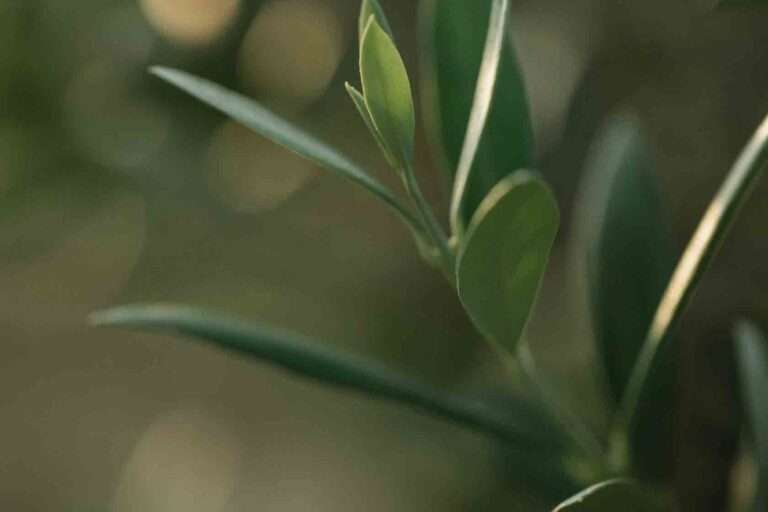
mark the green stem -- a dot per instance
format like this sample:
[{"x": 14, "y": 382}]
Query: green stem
[
  {"x": 431, "y": 223},
  {"x": 571, "y": 424}
]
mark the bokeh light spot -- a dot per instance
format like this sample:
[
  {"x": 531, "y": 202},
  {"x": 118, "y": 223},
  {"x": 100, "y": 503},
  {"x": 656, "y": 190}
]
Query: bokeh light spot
[
  {"x": 188, "y": 460},
  {"x": 250, "y": 174},
  {"x": 190, "y": 22},
  {"x": 292, "y": 50}
]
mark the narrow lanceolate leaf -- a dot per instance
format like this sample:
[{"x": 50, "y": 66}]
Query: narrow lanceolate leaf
[
  {"x": 370, "y": 8},
  {"x": 614, "y": 496},
  {"x": 362, "y": 108},
  {"x": 752, "y": 360},
  {"x": 310, "y": 359},
  {"x": 481, "y": 105},
  {"x": 624, "y": 247},
  {"x": 501, "y": 263},
  {"x": 387, "y": 92},
  {"x": 454, "y": 37},
  {"x": 696, "y": 258},
  {"x": 268, "y": 124}
]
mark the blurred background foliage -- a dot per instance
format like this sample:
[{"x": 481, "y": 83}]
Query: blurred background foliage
[{"x": 115, "y": 188}]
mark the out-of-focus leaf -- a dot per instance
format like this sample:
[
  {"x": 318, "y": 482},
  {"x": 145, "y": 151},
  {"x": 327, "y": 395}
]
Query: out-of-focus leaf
[
  {"x": 268, "y": 124},
  {"x": 626, "y": 251},
  {"x": 311, "y": 360},
  {"x": 624, "y": 243},
  {"x": 698, "y": 255},
  {"x": 359, "y": 101},
  {"x": 387, "y": 92},
  {"x": 501, "y": 263},
  {"x": 453, "y": 39},
  {"x": 370, "y": 8},
  {"x": 615, "y": 496},
  {"x": 752, "y": 359},
  {"x": 481, "y": 105}
]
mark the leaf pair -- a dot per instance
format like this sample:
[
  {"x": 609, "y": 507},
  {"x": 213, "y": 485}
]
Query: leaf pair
[
  {"x": 386, "y": 103},
  {"x": 504, "y": 218}
]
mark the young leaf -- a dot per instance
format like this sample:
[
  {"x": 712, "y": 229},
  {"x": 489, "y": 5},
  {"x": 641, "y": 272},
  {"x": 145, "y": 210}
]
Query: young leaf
[
  {"x": 613, "y": 496},
  {"x": 387, "y": 93},
  {"x": 502, "y": 260},
  {"x": 626, "y": 253},
  {"x": 453, "y": 36},
  {"x": 484, "y": 91},
  {"x": 359, "y": 101},
  {"x": 309, "y": 359},
  {"x": 698, "y": 255},
  {"x": 268, "y": 124},
  {"x": 752, "y": 360},
  {"x": 372, "y": 8}
]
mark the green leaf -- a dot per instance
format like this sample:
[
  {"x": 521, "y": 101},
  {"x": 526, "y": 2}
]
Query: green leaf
[
  {"x": 268, "y": 124},
  {"x": 359, "y": 101},
  {"x": 752, "y": 361},
  {"x": 453, "y": 36},
  {"x": 387, "y": 93},
  {"x": 624, "y": 245},
  {"x": 309, "y": 359},
  {"x": 500, "y": 265},
  {"x": 708, "y": 237},
  {"x": 484, "y": 92},
  {"x": 370, "y": 8},
  {"x": 615, "y": 496},
  {"x": 626, "y": 251}
]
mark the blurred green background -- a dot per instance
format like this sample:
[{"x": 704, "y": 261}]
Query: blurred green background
[{"x": 115, "y": 188}]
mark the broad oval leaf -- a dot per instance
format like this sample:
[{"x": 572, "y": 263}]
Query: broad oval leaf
[
  {"x": 453, "y": 36},
  {"x": 752, "y": 361},
  {"x": 707, "y": 238},
  {"x": 501, "y": 263},
  {"x": 387, "y": 92},
  {"x": 310, "y": 359},
  {"x": 268, "y": 124},
  {"x": 615, "y": 496},
  {"x": 623, "y": 245},
  {"x": 370, "y": 8}
]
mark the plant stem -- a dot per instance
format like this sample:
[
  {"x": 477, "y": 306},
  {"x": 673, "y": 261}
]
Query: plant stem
[
  {"x": 573, "y": 426},
  {"x": 431, "y": 223}
]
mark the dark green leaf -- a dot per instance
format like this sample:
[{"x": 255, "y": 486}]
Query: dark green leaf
[
  {"x": 370, "y": 8},
  {"x": 698, "y": 255},
  {"x": 277, "y": 129},
  {"x": 387, "y": 92},
  {"x": 453, "y": 37},
  {"x": 615, "y": 496},
  {"x": 501, "y": 263},
  {"x": 627, "y": 255},
  {"x": 752, "y": 359},
  {"x": 484, "y": 91},
  {"x": 310, "y": 359}
]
